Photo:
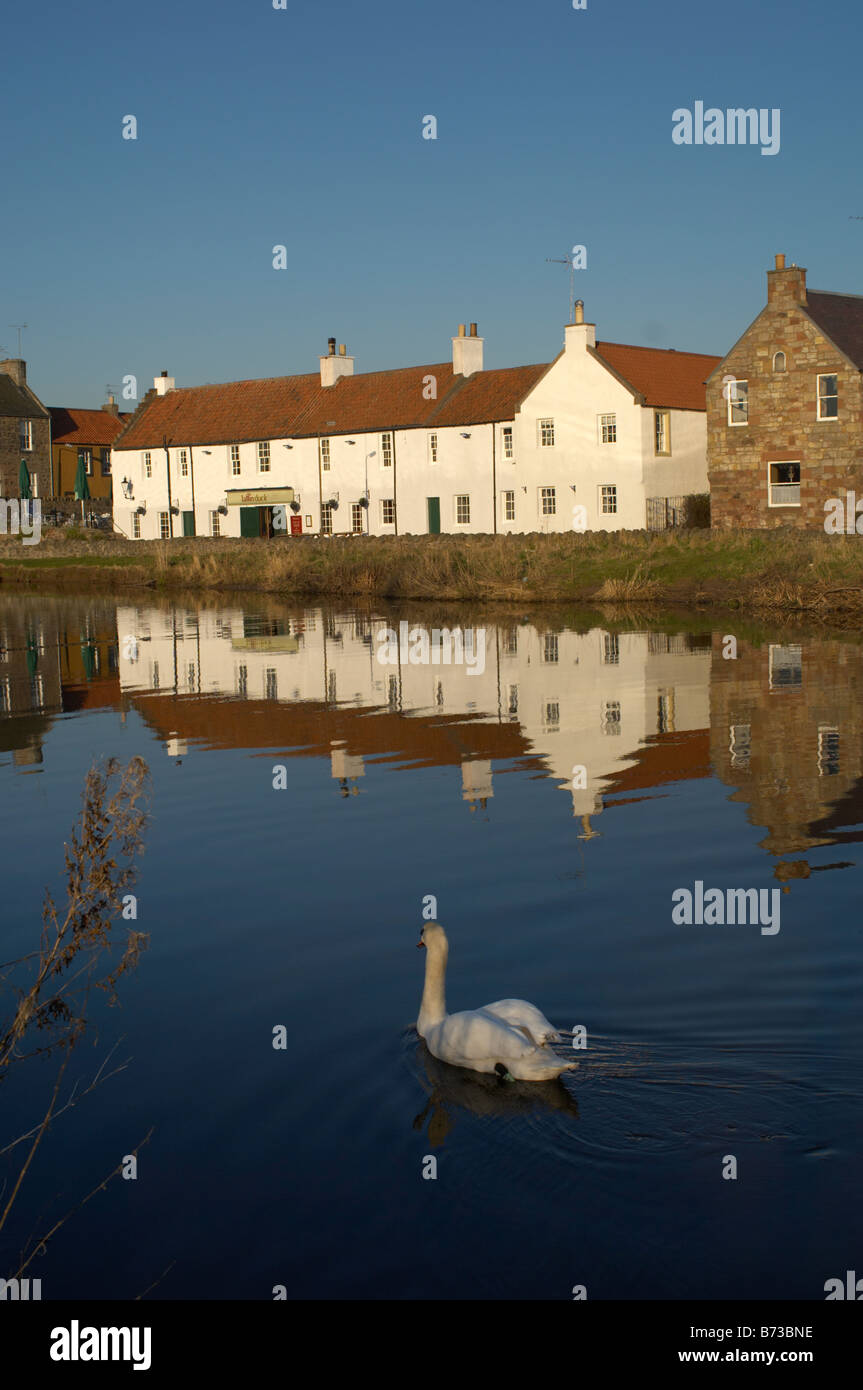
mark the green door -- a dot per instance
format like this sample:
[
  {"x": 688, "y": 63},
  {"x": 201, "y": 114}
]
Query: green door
[
  {"x": 433, "y": 504},
  {"x": 250, "y": 524},
  {"x": 188, "y": 523}
]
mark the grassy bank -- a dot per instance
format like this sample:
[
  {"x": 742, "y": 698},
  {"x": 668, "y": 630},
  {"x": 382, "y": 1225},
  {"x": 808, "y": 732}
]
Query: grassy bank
[{"x": 777, "y": 571}]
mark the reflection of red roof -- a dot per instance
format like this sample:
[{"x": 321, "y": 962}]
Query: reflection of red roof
[
  {"x": 96, "y": 694},
  {"x": 665, "y": 758},
  {"x": 74, "y": 426},
  {"x": 663, "y": 376}
]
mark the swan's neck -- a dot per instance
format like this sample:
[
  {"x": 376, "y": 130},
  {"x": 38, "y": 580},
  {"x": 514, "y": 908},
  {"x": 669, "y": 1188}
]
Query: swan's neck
[{"x": 433, "y": 1006}]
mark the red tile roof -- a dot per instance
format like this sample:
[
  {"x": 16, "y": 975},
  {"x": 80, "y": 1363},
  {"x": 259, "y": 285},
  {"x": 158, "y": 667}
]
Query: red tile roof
[
  {"x": 74, "y": 426},
  {"x": 292, "y": 407},
  {"x": 663, "y": 376},
  {"x": 840, "y": 316}
]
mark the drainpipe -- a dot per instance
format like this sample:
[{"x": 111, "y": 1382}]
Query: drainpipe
[
  {"x": 51, "y": 457},
  {"x": 321, "y": 494},
  {"x": 494, "y": 474},
  {"x": 395, "y": 492},
  {"x": 192, "y": 467}
]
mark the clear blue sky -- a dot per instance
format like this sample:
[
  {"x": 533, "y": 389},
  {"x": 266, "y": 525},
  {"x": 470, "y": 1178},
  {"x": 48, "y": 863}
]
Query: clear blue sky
[{"x": 303, "y": 127}]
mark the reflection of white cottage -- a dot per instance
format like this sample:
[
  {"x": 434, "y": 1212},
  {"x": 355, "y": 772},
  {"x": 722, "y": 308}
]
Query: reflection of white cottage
[{"x": 601, "y": 438}]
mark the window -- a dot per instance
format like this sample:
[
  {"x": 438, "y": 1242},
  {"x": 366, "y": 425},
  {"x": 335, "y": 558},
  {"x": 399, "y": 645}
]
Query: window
[
  {"x": 326, "y": 519},
  {"x": 611, "y": 718},
  {"x": 147, "y": 465},
  {"x": 432, "y": 448},
  {"x": 786, "y": 667},
  {"x": 828, "y": 397},
  {"x": 546, "y": 434},
  {"x": 738, "y": 402},
  {"x": 264, "y": 456},
  {"x": 509, "y": 642},
  {"x": 136, "y": 527},
  {"x": 551, "y": 718},
  {"x": 106, "y": 463},
  {"x": 356, "y": 518},
  {"x": 779, "y": 363},
  {"x": 235, "y": 460},
  {"x": 25, "y": 434},
  {"x": 828, "y": 750},
  {"x": 508, "y": 506},
  {"x": 551, "y": 647},
  {"x": 608, "y": 429},
  {"x": 462, "y": 509},
  {"x": 608, "y": 499},
  {"x": 325, "y": 455},
  {"x": 512, "y": 702},
  {"x": 611, "y": 649},
  {"x": 547, "y": 501},
  {"x": 665, "y": 711},
  {"x": 388, "y": 511},
  {"x": 154, "y": 675},
  {"x": 508, "y": 451},
  {"x": 271, "y": 684},
  {"x": 164, "y": 526},
  {"x": 243, "y": 681},
  {"x": 662, "y": 432},
  {"x": 215, "y": 524},
  {"x": 184, "y": 462},
  {"x": 783, "y": 484},
  {"x": 85, "y": 456},
  {"x": 387, "y": 450}
]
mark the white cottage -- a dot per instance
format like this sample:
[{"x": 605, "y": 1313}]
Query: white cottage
[{"x": 606, "y": 436}]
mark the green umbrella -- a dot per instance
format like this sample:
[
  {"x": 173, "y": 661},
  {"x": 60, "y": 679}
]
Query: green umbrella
[
  {"x": 32, "y": 654},
  {"x": 82, "y": 487},
  {"x": 24, "y": 482}
]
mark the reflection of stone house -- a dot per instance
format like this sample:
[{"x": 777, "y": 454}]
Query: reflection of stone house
[
  {"x": 786, "y": 731},
  {"x": 785, "y": 409},
  {"x": 25, "y": 433}
]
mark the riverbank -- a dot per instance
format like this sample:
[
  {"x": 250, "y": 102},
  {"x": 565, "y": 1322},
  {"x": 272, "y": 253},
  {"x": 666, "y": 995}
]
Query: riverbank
[{"x": 777, "y": 572}]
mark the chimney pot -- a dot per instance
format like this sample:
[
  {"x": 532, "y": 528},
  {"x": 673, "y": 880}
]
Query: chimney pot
[
  {"x": 342, "y": 349},
  {"x": 780, "y": 261},
  {"x": 579, "y": 311},
  {"x": 331, "y": 347},
  {"x": 461, "y": 330},
  {"x": 473, "y": 330}
]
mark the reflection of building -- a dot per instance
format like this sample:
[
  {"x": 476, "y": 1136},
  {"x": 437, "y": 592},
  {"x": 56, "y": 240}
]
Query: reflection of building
[{"x": 786, "y": 732}]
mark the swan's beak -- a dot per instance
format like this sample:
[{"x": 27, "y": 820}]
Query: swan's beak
[{"x": 420, "y": 944}]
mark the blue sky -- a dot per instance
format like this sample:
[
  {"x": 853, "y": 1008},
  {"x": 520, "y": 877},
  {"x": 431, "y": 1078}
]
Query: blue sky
[{"x": 303, "y": 127}]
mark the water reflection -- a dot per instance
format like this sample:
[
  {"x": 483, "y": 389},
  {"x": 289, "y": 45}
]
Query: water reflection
[{"x": 610, "y": 716}]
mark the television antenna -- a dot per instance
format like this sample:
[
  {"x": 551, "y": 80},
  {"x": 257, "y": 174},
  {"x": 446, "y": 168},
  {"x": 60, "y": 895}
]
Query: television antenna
[
  {"x": 20, "y": 327},
  {"x": 566, "y": 260}
]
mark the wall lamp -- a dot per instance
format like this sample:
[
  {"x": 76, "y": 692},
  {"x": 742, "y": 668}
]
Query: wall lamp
[{"x": 464, "y": 435}]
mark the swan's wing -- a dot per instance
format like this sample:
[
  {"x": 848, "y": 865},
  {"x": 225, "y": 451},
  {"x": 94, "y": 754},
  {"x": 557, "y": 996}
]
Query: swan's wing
[
  {"x": 476, "y": 1035},
  {"x": 518, "y": 1013}
]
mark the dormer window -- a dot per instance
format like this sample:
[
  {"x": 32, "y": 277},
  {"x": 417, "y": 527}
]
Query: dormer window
[{"x": 779, "y": 364}]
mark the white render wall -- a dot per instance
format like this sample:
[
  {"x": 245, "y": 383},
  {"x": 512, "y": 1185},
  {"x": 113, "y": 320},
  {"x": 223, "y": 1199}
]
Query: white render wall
[{"x": 574, "y": 392}]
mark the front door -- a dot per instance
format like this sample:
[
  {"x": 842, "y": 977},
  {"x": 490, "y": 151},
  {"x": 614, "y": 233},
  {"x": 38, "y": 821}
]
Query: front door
[
  {"x": 249, "y": 522},
  {"x": 188, "y": 523},
  {"x": 433, "y": 504}
]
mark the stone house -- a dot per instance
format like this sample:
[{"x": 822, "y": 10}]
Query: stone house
[
  {"x": 785, "y": 409},
  {"x": 25, "y": 433}
]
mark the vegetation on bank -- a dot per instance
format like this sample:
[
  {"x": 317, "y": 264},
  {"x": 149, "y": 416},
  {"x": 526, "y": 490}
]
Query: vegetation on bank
[{"x": 772, "y": 571}]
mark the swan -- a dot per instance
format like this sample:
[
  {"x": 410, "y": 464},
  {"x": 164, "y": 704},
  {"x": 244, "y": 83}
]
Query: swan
[{"x": 509, "y": 1037}]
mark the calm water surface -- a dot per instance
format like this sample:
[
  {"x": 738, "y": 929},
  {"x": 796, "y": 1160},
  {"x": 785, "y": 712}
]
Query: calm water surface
[{"x": 551, "y": 802}]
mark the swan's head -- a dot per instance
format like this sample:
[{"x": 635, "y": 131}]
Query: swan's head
[{"x": 433, "y": 937}]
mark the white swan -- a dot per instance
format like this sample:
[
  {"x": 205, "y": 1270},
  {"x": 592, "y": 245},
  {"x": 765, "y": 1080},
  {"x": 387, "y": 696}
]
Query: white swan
[{"x": 510, "y": 1036}]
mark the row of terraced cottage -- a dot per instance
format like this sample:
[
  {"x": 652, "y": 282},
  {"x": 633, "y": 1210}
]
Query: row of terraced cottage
[{"x": 607, "y": 436}]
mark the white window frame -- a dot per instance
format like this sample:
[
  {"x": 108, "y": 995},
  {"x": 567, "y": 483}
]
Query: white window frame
[
  {"x": 611, "y": 490},
  {"x": 825, "y": 376},
  {"x": 508, "y": 505},
  {"x": 433, "y": 447},
  {"x": 733, "y": 401},
  {"x": 775, "y": 664},
  {"x": 458, "y": 499},
  {"x": 388, "y": 504},
  {"x": 234, "y": 461},
  {"x": 387, "y": 449},
  {"x": 665, "y": 417},
  {"x": 136, "y": 527},
  {"x": 780, "y": 463},
  {"x": 183, "y": 460},
  {"x": 356, "y": 519},
  {"x": 326, "y": 519},
  {"x": 545, "y": 432},
  {"x": 147, "y": 464},
  {"x": 507, "y": 443},
  {"x": 164, "y": 526},
  {"x": 606, "y": 427},
  {"x": 215, "y": 524},
  {"x": 546, "y": 495},
  {"x": 25, "y": 436},
  {"x": 263, "y": 456},
  {"x": 326, "y": 455}
]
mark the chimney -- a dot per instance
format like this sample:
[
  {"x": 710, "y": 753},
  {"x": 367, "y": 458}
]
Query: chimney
[
  {"x": 579, "y": 334},
  {"x": 335, "y": 365},
  {"x": 112, "y": 407},
  {"x": 786, "y": 285},
  {"x": 467, "y": 352},
  {"x": 16, "y": 368},
  {"x": 163, "y": 384}
]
